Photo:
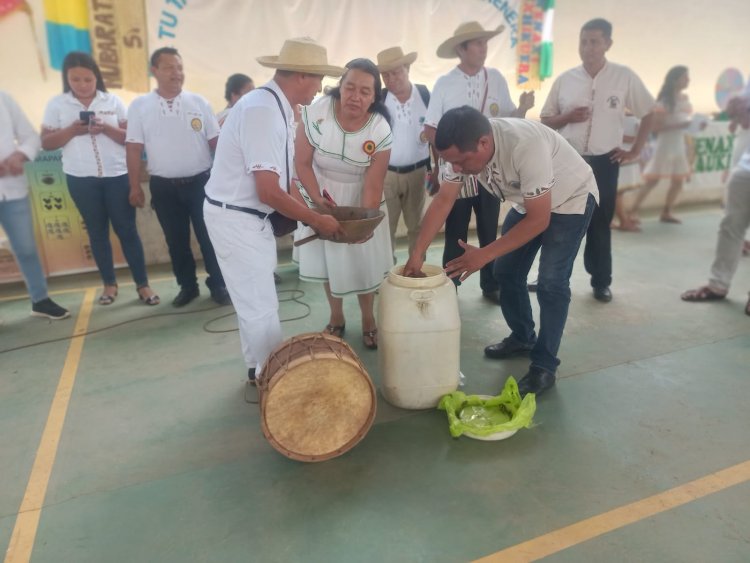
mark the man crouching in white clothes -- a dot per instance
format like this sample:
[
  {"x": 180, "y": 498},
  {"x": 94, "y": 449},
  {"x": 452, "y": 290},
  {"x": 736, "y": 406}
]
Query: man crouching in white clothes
[{"x": 250, "y": 180}]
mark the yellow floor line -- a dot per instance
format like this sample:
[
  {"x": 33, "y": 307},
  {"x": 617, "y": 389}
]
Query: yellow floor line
[
  {"x": 24, "y": 532},
  {"x": 590, "y": 528}
]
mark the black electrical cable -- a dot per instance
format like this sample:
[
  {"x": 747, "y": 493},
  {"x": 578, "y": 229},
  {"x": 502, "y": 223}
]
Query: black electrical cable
[{"x": 297, "y": 294}]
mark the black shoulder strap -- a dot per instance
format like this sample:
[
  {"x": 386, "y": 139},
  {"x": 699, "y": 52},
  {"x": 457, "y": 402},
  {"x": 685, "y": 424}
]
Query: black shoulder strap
[
  {"x": 424, "y": 93},
  {"x": 286, "y": 128}
]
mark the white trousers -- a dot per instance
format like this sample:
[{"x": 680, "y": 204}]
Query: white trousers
[
  {"x": 246, "y": 250},
  {"x": 732, "y": 231}
]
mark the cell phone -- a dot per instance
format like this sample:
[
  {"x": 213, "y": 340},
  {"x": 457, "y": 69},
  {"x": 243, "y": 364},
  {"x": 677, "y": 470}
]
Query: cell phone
[{"x": 87, "y": 116}]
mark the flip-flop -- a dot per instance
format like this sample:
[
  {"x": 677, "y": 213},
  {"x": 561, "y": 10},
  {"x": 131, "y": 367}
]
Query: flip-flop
[{"x": 704, "y": 293}]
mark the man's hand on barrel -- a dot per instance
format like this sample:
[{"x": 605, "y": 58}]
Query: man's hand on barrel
[
  {"x": 413, "y": 267},
  {"x": 469, "y": 262},
  {"x": 328, "y": 227}
]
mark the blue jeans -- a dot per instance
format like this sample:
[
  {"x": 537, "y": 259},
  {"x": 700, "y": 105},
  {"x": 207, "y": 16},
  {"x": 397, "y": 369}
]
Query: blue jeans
[
  {"x": 559, "y": 244},
  {"x": 101, "y": 201},
  {"x": 15, "y": 217}
]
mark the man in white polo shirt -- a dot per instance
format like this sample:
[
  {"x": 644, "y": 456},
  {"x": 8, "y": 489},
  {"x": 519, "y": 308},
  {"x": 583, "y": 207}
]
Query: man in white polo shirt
[
  {"x": 471, "y": 83},
  {"x": 179, "y": 131},
  {"x": 409, "y": 164},
  {"x": 250, "y": 180},
  {"x": 553, "y": 193},
  {"x": 587, "y": 106}
]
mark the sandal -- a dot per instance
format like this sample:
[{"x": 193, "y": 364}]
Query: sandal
[
  {"x": 670, "y": 219},
  {"x": 335, "y": 330},
  {"x": 370, "y": 339},
  {"x": 151, "y": 299},
  {"x": 108, "y": 298},
  {"x": 704, "y": 293}
]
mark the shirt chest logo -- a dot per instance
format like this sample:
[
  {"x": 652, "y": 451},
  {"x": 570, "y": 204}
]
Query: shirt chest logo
[
  {"x": 613, "y": 102},
  {"x": 196, "y": 124},
  {"x": 494, "y": 110}
]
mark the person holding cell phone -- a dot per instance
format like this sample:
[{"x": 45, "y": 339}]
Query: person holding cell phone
[{"x": 88, "y": 124}]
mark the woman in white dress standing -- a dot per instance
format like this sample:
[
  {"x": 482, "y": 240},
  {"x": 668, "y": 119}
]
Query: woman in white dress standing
[
  {"x": 670, "y": 159},
  {"x": 343, "y": 146}
]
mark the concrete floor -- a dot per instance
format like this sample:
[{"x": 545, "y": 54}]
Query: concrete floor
[{"x": 641, "y": 453}]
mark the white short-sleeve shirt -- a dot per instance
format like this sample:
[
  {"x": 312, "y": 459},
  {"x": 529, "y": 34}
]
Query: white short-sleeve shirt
[
  {"x": 88, "y": 155},
  {"x": 254, "y": 137},
  {"x": 614, "y": 88},
  {"x": 175, "y": 138},
  {"x": 531, "y": 159},
  {"x": 407, "y": 124},
  {"x": 457, "y": 89}
]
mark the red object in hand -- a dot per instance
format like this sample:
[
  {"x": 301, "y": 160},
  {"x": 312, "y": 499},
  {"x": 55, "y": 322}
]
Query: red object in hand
[{"x": 328, "y": 197}]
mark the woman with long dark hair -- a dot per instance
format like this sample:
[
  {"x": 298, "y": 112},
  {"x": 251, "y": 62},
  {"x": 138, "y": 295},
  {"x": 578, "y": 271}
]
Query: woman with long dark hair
[
  {"x": 670, "y": 159},
  {"x": 343, "y": 145},
  {"x": 88, "y": 124}
]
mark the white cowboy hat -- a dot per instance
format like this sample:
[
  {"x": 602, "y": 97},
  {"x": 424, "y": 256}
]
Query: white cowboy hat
[
  {"x": 394, "y": 57},
  {"x": 465, "y": 32},
  {"x": 302, "y": 54}
]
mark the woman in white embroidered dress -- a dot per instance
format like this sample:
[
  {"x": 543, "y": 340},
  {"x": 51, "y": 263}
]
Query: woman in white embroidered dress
[
  {"x": 670, "y": 158},
  {"x": 343, "y": 146},
  {"x": 88, "y": 124}
]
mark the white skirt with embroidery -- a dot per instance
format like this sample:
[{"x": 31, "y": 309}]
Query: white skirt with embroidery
[{"x": 348, "y": 268}]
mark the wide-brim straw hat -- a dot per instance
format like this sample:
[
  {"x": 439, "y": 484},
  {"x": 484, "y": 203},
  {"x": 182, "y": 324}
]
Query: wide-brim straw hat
[
  {"x": 465, "y": 32},
  {"x": 302, "y": 54},
  {"x": 394, "y": 57}
]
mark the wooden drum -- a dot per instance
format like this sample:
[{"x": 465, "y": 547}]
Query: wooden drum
[{"x": 316, "y": 398}]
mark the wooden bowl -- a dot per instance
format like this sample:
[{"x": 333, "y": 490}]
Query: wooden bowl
[{"x": 358, "y": 223}]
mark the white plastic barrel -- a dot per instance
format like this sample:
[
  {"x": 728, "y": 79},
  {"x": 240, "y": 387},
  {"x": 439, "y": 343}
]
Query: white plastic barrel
[{"x": 419, "y": 333}]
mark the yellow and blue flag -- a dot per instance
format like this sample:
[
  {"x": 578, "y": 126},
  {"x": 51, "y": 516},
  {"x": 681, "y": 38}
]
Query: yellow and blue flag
[{"x": 67, "y": 24}]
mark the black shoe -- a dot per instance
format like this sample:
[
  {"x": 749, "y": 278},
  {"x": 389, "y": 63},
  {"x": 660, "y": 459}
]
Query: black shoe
[
  {"x": 537, "y": 380},
  {"x": 602, "y": 294},
  {"x": 493, "y": 296},
  {"x": 532, "y": 285},
  {"x": 49, "y": 309},
  {"x": 185, "y": 296},
  {"x": 221, "y": 296},
  {"x": 251, "y": 376},
  {"x": 276, "y": 278},
  {"x": 507, "y": 348}
]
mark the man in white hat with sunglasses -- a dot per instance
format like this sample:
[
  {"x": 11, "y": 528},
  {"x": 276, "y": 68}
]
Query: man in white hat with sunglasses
[
  {"x": 485, "y": 89},
  {"x": 409, "y": 163},
  {"x": 250, "y": 180}
]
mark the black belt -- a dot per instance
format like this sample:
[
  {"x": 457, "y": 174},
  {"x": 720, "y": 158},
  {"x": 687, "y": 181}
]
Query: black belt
[
  {"x": 183, "y": 181},
  {"x": 410, "y": 167},
  {"x": 249, "y": 210}
]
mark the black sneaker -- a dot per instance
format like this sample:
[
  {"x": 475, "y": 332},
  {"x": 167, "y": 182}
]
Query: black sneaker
[
  {"x": 221, "y": 296},
  {"x": 185, "y": 296},
  {"x": 49, "y": 309}
]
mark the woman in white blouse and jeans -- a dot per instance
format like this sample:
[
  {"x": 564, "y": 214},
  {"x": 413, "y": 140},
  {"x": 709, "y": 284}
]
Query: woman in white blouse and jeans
[{"x": 89, "y": 125}]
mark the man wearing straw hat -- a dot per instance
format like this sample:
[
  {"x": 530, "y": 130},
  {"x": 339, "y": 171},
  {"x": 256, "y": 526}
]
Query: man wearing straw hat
[
  {"x": 250, "y": 180},
  {"x": 485, "y": 89},
  {"x": 410, "y": 153}
]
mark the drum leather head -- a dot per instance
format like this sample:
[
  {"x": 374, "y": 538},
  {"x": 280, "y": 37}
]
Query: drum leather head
[{"x": 317, "y": 401}]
